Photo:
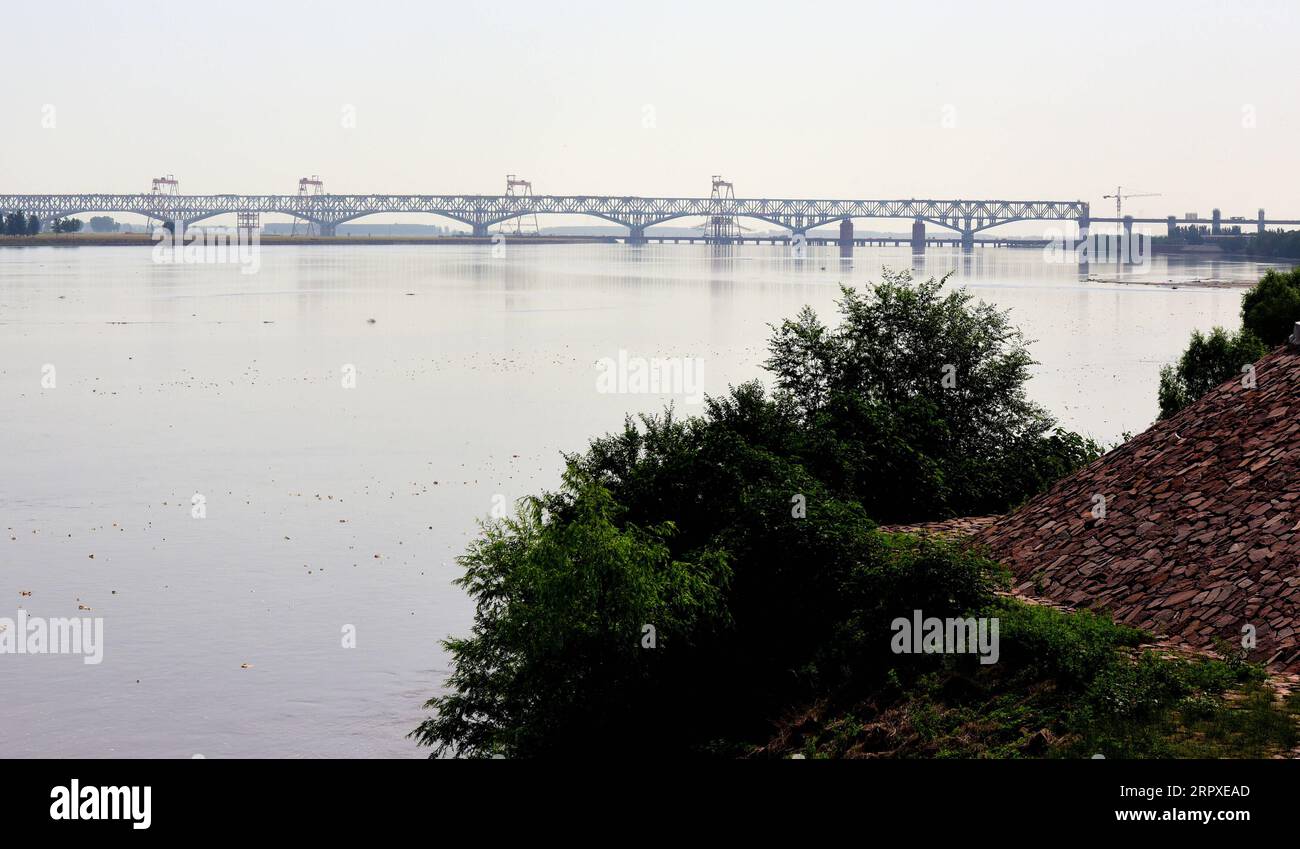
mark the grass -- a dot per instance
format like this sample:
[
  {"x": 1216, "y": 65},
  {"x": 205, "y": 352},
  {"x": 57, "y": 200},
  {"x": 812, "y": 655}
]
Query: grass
[{"x": 1067, "y": 685}]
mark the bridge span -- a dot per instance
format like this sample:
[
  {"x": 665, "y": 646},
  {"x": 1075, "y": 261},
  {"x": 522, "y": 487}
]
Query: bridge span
[
  {"x": 965, "y": 218},
  {"x": 480, "y": 212}
]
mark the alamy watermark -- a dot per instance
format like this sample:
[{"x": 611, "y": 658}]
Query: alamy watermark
[
  {"x": 1130, "y": 248},
  {"x": 932, "y": 635},
  {"x": 209, "y": 245},
  {"x": 26, "y": 634},
  {"x": 92, "y": 802},
  {"x": 628, "y": 375}
]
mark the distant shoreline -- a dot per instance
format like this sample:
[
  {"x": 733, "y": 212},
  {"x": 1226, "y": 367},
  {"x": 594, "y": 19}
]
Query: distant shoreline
[{"x": 1216, "y": 252}]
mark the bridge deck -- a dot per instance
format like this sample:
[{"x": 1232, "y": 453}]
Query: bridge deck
[{"x": 799, "y": 215}]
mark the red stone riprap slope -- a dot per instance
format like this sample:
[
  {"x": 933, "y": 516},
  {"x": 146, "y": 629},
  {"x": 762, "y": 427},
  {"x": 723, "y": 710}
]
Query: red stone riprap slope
[
  {"x": 960, "y": 528},
  {"x": 1201, "y": 528}
]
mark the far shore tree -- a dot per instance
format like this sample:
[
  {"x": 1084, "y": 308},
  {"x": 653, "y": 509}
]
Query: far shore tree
[{"x": 15, "y": 223}]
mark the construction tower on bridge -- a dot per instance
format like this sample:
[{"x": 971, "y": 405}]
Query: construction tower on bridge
[
  {"x": 722, "y": 228},
  {"x": 524, "y": 225},
  {"x": 168, "y": 185},
  {"x": 308, "y": 187}
]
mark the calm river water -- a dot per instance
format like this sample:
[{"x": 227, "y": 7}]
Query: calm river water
[{"x": 128, "y": 388}]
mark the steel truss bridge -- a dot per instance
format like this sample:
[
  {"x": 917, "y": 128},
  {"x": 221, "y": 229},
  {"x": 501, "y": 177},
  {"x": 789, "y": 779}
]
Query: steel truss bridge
[{"x": 480, "y": 212}]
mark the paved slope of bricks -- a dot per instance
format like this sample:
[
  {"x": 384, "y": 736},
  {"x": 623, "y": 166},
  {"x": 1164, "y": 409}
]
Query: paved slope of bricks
[
  {"x": 1201, "y": 531},
  {"x": 960, "y": 528}
]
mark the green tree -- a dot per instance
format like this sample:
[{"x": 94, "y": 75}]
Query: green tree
[
  {"x": 744, "y": 537},
  {"x": 104, "y": 224},
  {"x": 1276, "y": 243},
  {"x": 558, "y": 663},
  {"x": 917, "y": 402},
  {"x": 560, "y": 660},
  {"x": 33, "y": 225},
  {"x": 1272, "y": 307},
  {"x": 1207, "y": 362},
  {"x": 15, "y": 224}
]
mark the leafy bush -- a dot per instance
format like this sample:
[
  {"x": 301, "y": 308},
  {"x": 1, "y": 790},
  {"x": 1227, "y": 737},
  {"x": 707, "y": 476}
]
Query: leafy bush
[
  {"x": 556, "y": 663},
  {"x": 1068, "y": 684},
  {"x": 1268, "y": 315},
  {"x": 1207, "y": 362},
  {"x": 747, "y": 537},
  {"x": 1272, "y": 307},
  {"x": 1069, "y": 648},
  {"x": 915, "y": 404},
  {"x": 938, "y": 577}
]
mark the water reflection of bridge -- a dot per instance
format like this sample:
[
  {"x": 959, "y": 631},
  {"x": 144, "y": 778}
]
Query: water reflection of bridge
[{"x": 856, "y": 241}]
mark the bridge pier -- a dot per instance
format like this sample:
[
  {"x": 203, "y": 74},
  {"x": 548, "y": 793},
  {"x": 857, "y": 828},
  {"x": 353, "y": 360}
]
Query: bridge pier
[
  {"x": 918, "y": 236},
  {"x": 1261, "y": 221},
  {"x": 968, "y": 240},
  {"x": 480, "y": 230},
  {"x": 328, "y": 228},
  {"x": 636, "y": 235},
  {"x": 846, "y": 241}
]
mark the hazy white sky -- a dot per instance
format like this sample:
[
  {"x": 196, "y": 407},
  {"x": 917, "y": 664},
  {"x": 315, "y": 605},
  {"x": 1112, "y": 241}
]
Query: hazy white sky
[{"x": 1055, "y": 100}]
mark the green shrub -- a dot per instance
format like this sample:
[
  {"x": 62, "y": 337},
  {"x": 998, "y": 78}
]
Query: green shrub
[
  {"x": 1272, "y": 307},
  {"x": 1067, "y": 684},
  {"x": 915, "y": 403},
  {"x": 1207, "y": 362},
  {"x": 747, "y": 537},
  {"x": 1268, "y": 315},
  {"x": 1067, "y": 647},
  {"x": 556, "y": 662}
]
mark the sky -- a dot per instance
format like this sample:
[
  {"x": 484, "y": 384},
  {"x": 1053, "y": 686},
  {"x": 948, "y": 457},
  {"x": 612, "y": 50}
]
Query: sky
[{"x": 1196, "y": 100}]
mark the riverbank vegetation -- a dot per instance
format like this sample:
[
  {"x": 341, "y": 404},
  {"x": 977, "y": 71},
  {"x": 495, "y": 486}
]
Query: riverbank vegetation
[
  {"x": 1276, "y": 244},
  {"x": 720, "y": 584},
  {"x": 1068, "y": 685},
  {"x": 1280, "y": 244},
  {"x": 18, "y": 223}
]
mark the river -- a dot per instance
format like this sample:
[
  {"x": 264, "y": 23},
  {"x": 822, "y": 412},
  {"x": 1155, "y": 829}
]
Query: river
[{"x": 239, "y": 472}]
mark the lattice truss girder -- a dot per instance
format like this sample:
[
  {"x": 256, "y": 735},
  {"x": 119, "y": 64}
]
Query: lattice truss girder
[{"x": 637, "y": 212}]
